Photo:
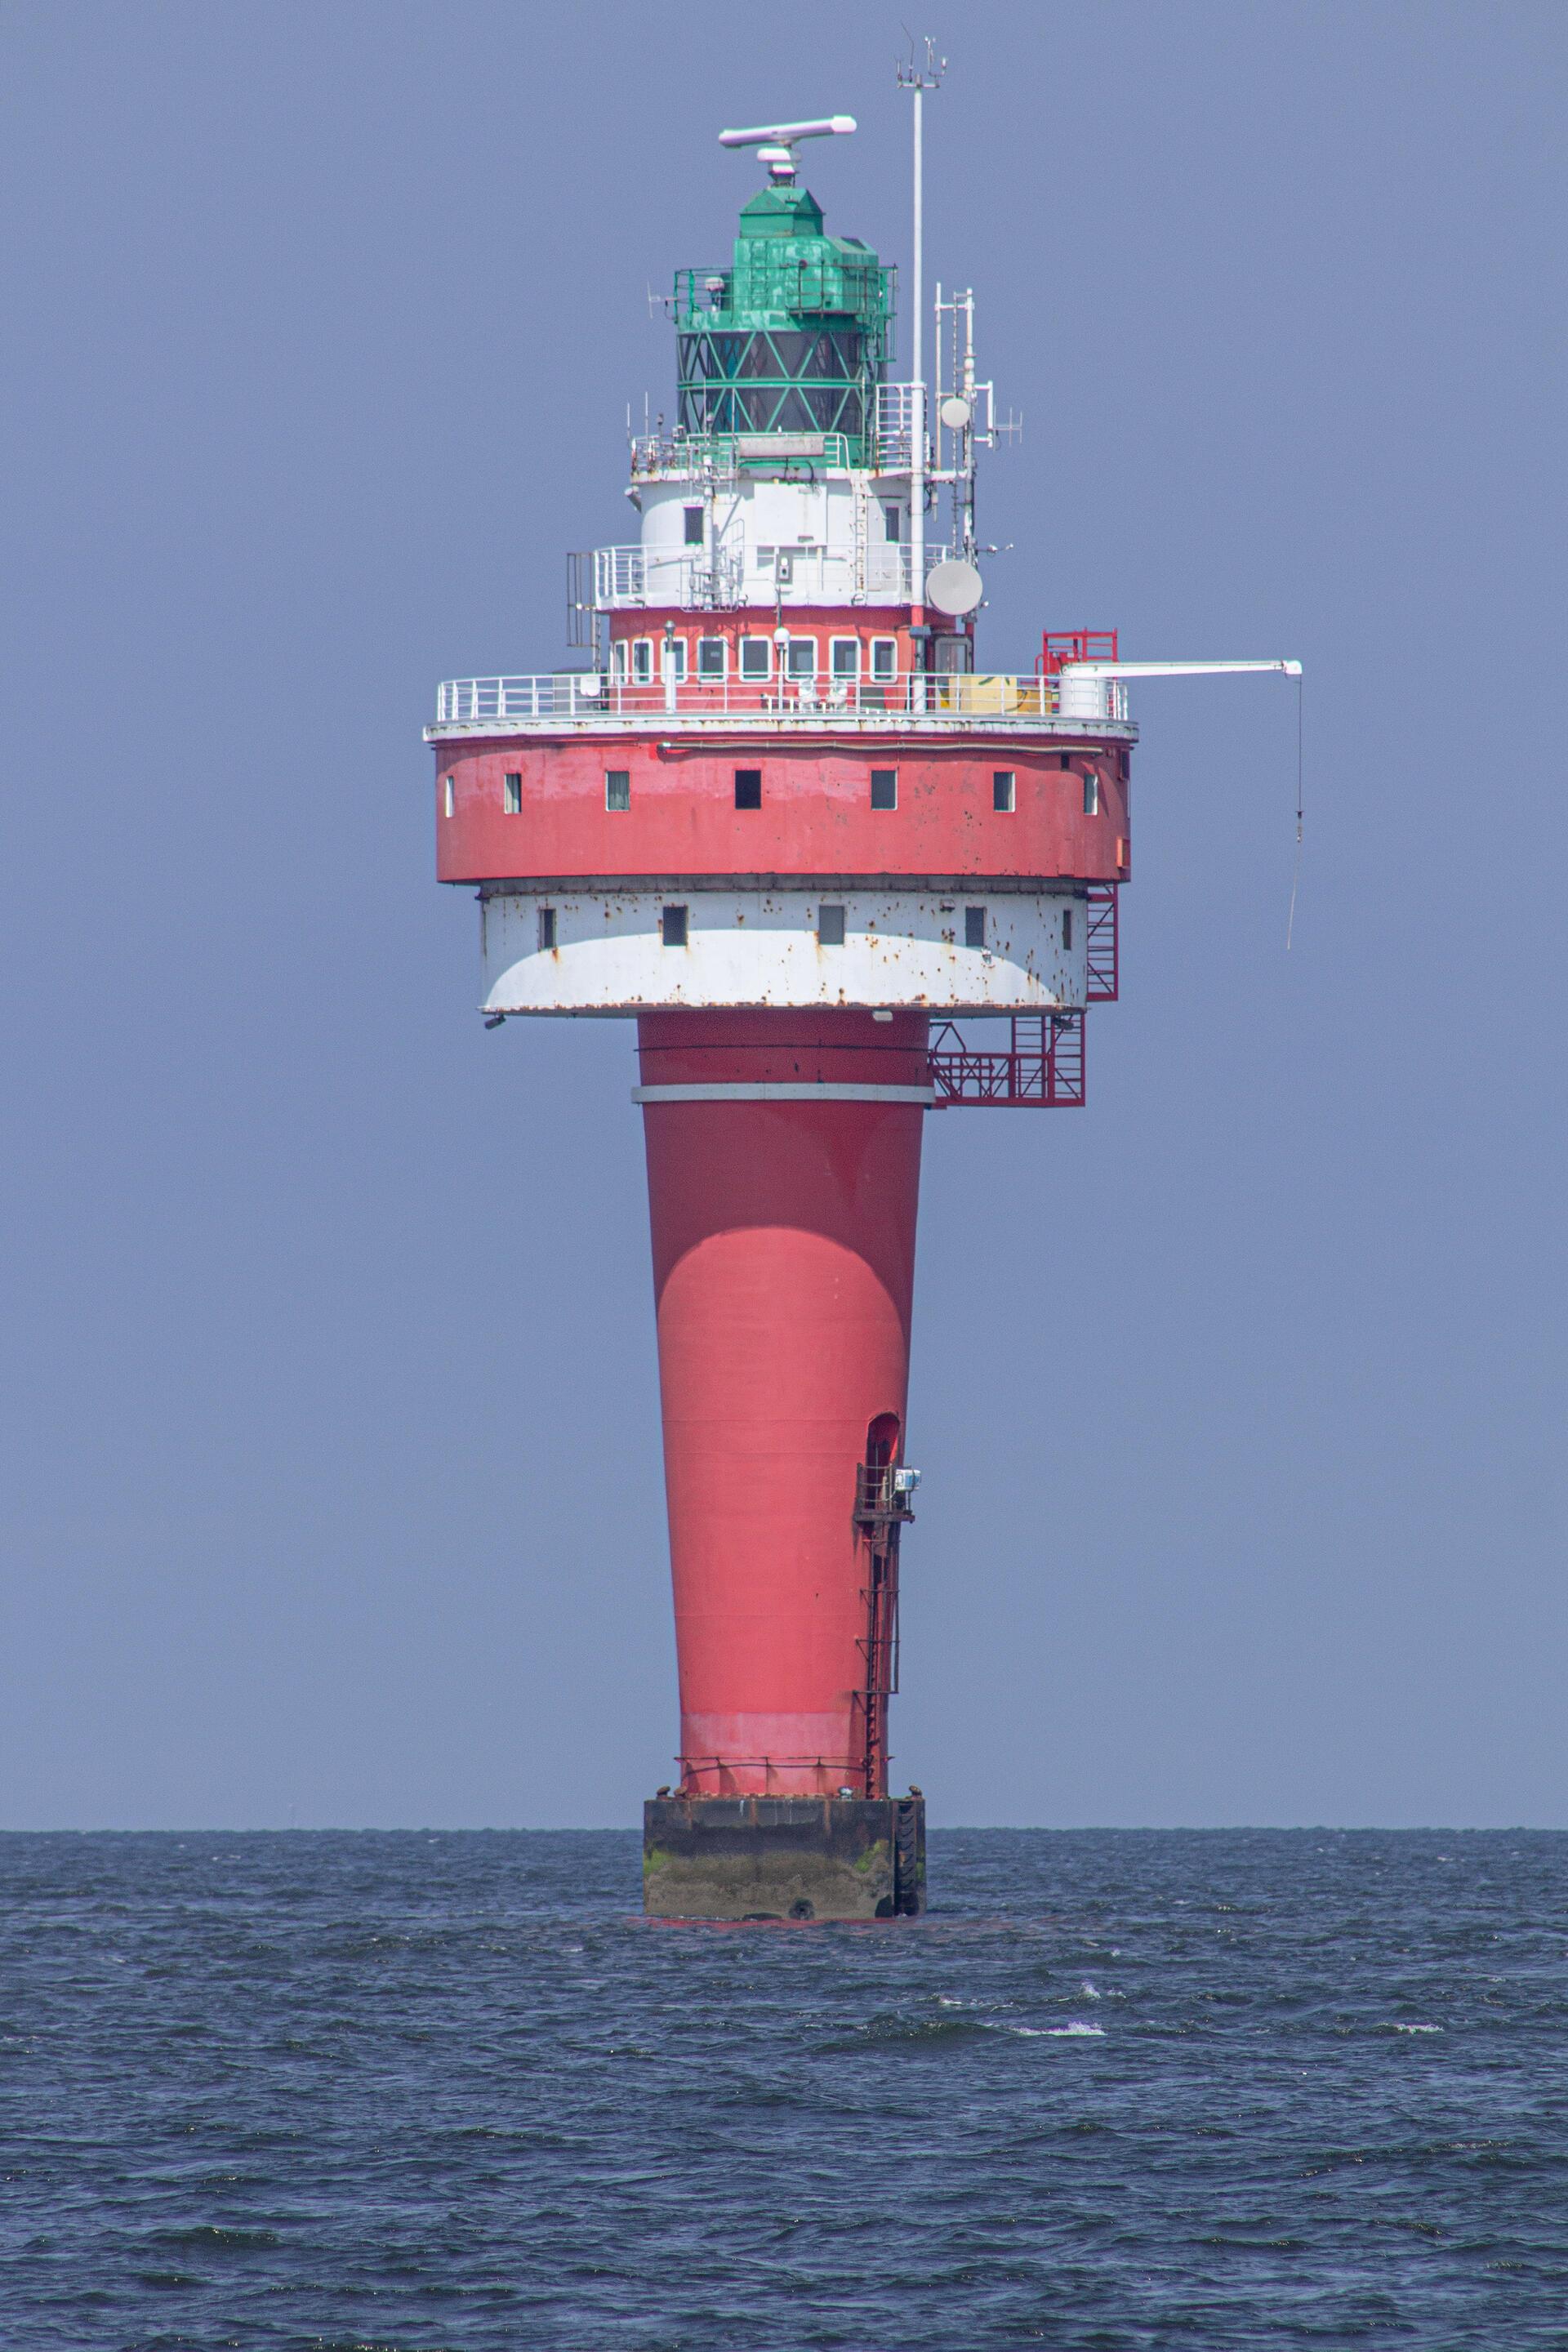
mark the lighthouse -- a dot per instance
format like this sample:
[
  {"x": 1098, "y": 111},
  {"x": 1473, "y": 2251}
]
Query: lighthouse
[{"x": 840, "y": 875}]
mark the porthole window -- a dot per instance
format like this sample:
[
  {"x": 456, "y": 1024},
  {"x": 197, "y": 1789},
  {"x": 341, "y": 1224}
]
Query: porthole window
[
  {"x": 884, "y": 788},
  {"x": 617, "y": 790},
  {"x": 1003, "y": 791},
  {"x": 511, "y": 796}
]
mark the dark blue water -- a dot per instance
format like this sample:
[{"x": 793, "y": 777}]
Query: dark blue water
[{"x": 1201, "y": 2090}]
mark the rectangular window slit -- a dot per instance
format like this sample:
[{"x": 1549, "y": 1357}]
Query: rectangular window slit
[
  {"x": 1091, "y": 791},
  {"x": 1067, "y": 927},
  {"x": 672, "y": 927},
  {"x": 1003, "y": 791},
  {"x": 511, "y": 796},
  {"x": 617, "y": 788},
  {"x": 884, "y": 788},
  {"x": 974, "y": 926},
  {"x": 546, "y": 930},
  {"x": 830, "y": 926},
  {"x": 693, "y": 526}
]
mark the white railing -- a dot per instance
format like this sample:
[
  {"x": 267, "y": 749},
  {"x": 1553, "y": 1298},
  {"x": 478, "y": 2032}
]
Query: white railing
[
  {"x": 626, "y": 578},
  {"x": 586, "y": 697}
]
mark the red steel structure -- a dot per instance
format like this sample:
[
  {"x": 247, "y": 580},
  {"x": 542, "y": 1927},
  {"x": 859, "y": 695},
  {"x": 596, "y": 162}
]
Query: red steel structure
[{"x": 780, "y": 818}]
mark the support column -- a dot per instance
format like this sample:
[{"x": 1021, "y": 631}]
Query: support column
[{"x": 784, "y": 1177}]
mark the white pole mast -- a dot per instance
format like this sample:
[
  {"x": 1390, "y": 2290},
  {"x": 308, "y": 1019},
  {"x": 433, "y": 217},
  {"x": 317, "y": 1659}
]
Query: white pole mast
[
  {"x": 918, "y": 76},
  {"x": 917, "y": 376}
]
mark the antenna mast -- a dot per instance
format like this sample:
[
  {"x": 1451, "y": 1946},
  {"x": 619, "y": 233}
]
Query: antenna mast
[{"x": 917, "y": 75}]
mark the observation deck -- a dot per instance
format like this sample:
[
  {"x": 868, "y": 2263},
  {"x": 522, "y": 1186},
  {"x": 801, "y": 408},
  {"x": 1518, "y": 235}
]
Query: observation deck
[{"x": 908, "y": 702}]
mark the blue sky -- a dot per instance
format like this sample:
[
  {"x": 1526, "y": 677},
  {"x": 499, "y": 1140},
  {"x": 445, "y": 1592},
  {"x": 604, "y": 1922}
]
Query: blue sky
[{"x": 331, "y": 1488}]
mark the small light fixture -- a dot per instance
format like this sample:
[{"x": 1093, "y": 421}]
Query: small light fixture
[
  {"x": 494, "y": 1019},
  {"x": 881, "y": 1016}
]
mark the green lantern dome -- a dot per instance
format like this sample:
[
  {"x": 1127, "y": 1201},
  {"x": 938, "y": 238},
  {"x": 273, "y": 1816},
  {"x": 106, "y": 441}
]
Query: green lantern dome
[{"x": 794, "y": 338}]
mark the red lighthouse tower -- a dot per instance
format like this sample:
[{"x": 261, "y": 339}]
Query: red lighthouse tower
[{"x": 782, "y": 819}]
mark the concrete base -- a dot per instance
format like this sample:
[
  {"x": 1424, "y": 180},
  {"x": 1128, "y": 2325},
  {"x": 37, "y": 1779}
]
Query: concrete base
[{"x": 783, "y": 1857}]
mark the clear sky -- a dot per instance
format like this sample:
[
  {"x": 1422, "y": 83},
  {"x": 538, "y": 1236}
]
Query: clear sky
[{"x": 331, "y": 1476}]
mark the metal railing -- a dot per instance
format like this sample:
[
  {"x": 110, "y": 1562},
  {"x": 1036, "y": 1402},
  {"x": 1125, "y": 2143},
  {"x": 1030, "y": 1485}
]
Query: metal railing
[
  {"x": 723, "y": 454},
  {"x": 586, "y": 697},
  {"x": 694, "y": 578},
  {"x": 1042, "y": 1068}
]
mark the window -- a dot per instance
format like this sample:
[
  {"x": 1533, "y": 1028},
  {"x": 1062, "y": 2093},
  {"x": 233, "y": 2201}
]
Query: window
[
  {"x": 884, "y": 658},
  {"x": 693, "y": 526},
  {"x": 845, "y": 655},
  {"x": 511, "y": 796},
  {"x": 756, "y": 657},
  {"x": 618, "y": 661},
  {"x": 884, "y": 788},
  {"x": 1003, "y": 791},
  {"x": 1067, "y": 927},
  {"x": 1091, "y": 791},
  {"x": 709, "y": 658},
  {"x": 974, "y": 926},
  {"x": 830, "y": 926},
  {"x": 675, "y": 659},
  {"x": 1064, "y": 760},
  {"x": 800, "y": 658},
  {"x": 748, "y": 788},
  {"x": 892, "y": 524},
  {"x": 617, "y": 789},
  {"x": 642, "y": 661},
  {"x": 547, "y": 930},
  {"x": 672, "y": 927},
  {"x": 449, "y": 795}
]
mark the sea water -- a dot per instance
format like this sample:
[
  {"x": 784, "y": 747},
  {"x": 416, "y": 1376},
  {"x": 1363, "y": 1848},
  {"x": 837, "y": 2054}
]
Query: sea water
[{"x": 1206, "y": 2090}]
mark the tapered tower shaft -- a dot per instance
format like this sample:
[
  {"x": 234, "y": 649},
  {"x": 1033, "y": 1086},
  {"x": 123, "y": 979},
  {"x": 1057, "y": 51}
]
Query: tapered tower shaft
[{"x": 784, "y": 1248}]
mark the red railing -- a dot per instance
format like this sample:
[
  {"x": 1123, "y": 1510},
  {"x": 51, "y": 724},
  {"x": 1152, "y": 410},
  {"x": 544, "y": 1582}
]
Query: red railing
[
  {"x": 1041, "y": 1068},
  {"x": 1059, "y": 645}
]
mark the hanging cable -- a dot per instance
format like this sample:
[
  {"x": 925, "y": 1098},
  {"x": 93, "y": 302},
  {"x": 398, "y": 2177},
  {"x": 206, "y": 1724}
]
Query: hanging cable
[{"x": 1296, "y": 874}]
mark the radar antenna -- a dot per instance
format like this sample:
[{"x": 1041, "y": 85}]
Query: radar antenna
[{"x": 776, "y": 141}]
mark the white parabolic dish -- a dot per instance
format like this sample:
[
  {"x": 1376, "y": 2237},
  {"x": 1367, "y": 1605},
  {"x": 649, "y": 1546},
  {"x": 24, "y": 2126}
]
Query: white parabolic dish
[{"x": 953, "y": 587}]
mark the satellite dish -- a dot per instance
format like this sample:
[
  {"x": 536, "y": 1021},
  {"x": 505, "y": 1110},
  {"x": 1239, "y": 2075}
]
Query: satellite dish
[
  {"x": 956, "y": 412},
  {"x": 953, "y": 588}
]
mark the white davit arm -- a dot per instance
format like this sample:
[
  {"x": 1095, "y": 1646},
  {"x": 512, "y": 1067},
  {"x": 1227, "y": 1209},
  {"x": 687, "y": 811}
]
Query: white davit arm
[
  {"x": 777, "y": 139},
  {"x": 1083, "y": 684}
]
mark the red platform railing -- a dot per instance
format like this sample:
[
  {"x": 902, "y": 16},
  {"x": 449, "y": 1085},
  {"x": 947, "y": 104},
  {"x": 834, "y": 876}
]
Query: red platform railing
[{"x": 1041, "y": 1067}]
